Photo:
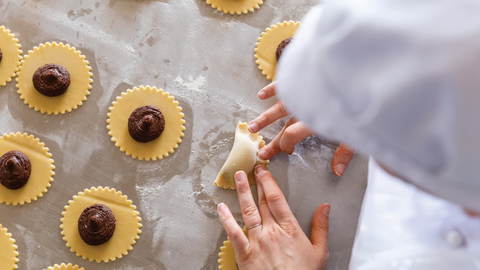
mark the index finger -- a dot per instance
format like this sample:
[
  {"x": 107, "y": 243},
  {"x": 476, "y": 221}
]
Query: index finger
[
  {"x": 268, "y": 91},
  {"x": 271, "y": 115}
]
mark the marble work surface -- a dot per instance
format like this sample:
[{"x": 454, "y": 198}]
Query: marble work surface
[{"x": 205, "y": 59}]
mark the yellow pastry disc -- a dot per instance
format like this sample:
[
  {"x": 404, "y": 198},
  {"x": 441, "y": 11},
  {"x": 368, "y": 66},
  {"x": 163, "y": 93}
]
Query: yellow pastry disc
[
  {"x": 11, "y": 55},
  {"x": 267, "y": 46},
  {"x": 142, "y": 96},
  {"x": 126, "y": 231},
  {"x": 65, "y": 267},
  {"x": 69, "y": 58},
  {"x": 42, "y": 168},
  {"x": 235, "y": 6},
  {"x": 227, "y": 259},
  {"x": 8, "y": 250}
]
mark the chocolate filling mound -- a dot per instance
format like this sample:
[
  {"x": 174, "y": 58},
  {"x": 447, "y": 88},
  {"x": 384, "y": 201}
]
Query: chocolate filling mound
[
  {"x": 96, "y": 224},
  {"x": 1, "y": 55},
  {"x": 15, "y": 169},
  {"x": 281, "y": 47},
  {"x": 51, "y": 80},
  {"x": 146, "y": 123}
]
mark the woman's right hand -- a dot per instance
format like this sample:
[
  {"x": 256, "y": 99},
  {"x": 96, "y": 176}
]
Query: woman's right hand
[{"x": 292, "y": 133}]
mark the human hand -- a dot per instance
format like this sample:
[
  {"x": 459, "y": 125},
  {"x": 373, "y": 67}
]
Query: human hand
[
  {"x": 292, "y": 133},
  {"x": 275, "y": 239}
]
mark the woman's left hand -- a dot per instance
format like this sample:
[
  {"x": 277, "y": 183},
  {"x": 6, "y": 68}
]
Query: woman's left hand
[{"x": 275, "y": 239}]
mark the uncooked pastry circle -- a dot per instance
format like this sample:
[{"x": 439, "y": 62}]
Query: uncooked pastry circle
[
  {"x": 8, "y": 250},
  {"x": 227, "y": 259},
  {"x": 42, "y": 168},
  {"x": 267, "y": 46},
  {"x": 132, "y": 99},
  {"x": 69, "y": 58},
  {"x": 11, "y": 55},
  {"x": 64, "y": 266},
  {"x": 126, "y": 231},
  {"x": 235, "y": 6}
]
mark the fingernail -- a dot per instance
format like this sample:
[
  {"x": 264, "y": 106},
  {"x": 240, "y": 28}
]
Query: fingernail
[
  {"x": 239, "y": 177},
  {"x": 262, "y": 153},
  {"x": 253, "y": 127},
  {"x": 259, "y": 169},
  {"x": 326, "y": 209},
  {"x": 262, "y": 94},
  {"x": 221, "y": 210},
  {"x": 339, "y": 169}
]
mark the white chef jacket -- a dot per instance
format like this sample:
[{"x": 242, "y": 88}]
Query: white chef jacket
[{"x": 403, "y": 227}]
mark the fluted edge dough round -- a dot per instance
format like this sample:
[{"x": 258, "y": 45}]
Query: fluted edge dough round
[
  {"x": 126, "y": 232},
  {"x": 69, "y": 58},
  {"x": 243, "y": 157},
  {"x": 8, "y": 250},
  {"x": 137, "y": 97},
  {"x": 64, "y": 266},
  {"x": 12, "y": 55},
  {"x": 235, "y": 6},
  {"x": 227, "y": 260},
  {"x": 42, "y": 168},
  {"x": 267, "y": 45}
]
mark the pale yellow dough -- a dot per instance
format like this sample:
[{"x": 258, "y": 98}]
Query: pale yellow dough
[
  {"x": 227, "y": 259},
  {"x": 235, "y": 6},
  {"x": 267, "y": 46},
  {"x": 243, "y": 157},
  {"x": 65, "y": 267},
  {"x": 126, "y": 231},
  {"x": 11, "y": 55},
  {"x": 8, "y": 250},
  {"x": 142, "y": 96},
  {"x": 42, "y": 168},
  {"x": 72, "y": 61}
]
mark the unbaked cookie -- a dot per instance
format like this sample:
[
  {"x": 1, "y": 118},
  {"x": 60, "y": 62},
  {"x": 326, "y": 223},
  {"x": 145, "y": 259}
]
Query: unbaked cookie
[
  {"x": 41, "y": 168},
  {"x": 267, "y": 46},
  {"x": 65, "y": 267},
  {"x": 8, "y": 250},
  {"x": 235, "y": 6},
  {"x": 65, "y": 56},
  {"x": 127, "y": 228},
  {"x": 123, "y": 107},
  {"x": 11, "y": 55},
  {"x": 227, "y": 259},
  {"x": 243, "y": 157}
]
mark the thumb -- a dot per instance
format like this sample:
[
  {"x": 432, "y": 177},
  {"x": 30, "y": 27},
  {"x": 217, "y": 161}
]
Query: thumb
[{"x": 319, "y": 236}]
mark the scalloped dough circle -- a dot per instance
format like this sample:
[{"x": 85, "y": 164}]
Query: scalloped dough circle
[
  {"x": 127, "y": 228},
  {"x": 64, "y": 266},
  {"x": 243, "y": 157},
  {"x": 132, "y": 99},
  {"x": 42, "y": 168},
  {"x": 267, "y": 46},
  {"x": 235, "y": 6},
  {"x": 72, "y": 61},
  {"x": 227, "y": 259},
  {"x": 8, "y": 250},
  {"x": 11, "y": 55}
]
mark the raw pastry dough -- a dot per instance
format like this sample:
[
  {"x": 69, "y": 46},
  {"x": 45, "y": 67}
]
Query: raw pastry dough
[
  {"x": 235, "y": 6},
  {"x": 243, "y": 157},
  {"x": 267, "y": 46},
  {"x": 11, "y": 55},
  {"x": 42, "y": 168},
  {"x": 126, "y": 231},
  {"x": 227, "y": 259},
  {"x": 69, "y": 58},
  {"x": 132, "y": 99},
  {"x": 8, "y": 250},
  {"x": 65, "y": 267}
]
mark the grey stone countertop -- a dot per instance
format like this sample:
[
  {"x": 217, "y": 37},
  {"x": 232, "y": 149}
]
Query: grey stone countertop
[{"x": 204, "y": 58}]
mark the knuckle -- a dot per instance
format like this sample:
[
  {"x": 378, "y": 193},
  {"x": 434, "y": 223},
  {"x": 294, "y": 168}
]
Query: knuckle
[
  {"x": 290, "y": 229},
  {"x": 272, "y": 234},
  {"x": 249, "y": 211},
  {"x": 281, "y": 108},
  {"x": 236, "y": 235},
  {"x": 274, "y": 198},
  {"x": 262, "y": 200}
]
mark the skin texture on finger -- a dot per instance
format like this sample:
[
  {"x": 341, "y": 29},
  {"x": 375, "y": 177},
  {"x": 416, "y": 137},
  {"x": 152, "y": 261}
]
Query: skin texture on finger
[
  {"x": 268, "y": 91},
  {"x": 343, "y": 155},
  {"x": 271, "y": 115},
  {"x": 292, "y": 135},
  {"x": 275, "y": 199},
  {"x": 267, "y": 217},
  {"x": 250, "y": 213},
  {"x": 237, "y": 237}
]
